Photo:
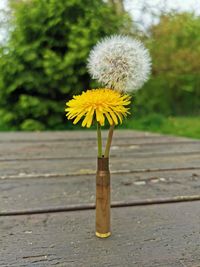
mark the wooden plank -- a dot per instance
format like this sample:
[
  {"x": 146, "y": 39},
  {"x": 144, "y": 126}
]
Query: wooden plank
[
  {"x": 68, "y": 135},
  {"x": 41, "y": 167},
  {"x": 55, "y": 192},
  {"x": 158, "y": 235},
  {"x": 130, "y": 148},
  {"x": 74, "y": 136},
  {"x": 121, "y": 140}
]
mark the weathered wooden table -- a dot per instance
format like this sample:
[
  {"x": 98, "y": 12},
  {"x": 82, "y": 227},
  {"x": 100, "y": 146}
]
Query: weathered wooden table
[{"x": 47, "y": 195}]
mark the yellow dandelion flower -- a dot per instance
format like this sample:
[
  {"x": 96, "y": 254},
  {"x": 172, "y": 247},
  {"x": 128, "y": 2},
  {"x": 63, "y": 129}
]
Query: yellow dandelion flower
[{"x": 98, "y": 104}]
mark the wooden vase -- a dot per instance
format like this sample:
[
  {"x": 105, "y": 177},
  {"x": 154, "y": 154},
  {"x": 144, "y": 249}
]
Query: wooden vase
[{"x": 103, "y": 198}]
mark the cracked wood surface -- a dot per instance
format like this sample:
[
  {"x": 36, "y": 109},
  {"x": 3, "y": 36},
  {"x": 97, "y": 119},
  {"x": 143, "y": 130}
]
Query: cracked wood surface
[
  {"x": 43, "y": 193},
  {"x": 164, "y": 235},
  {"x": 45, "y": 171}
]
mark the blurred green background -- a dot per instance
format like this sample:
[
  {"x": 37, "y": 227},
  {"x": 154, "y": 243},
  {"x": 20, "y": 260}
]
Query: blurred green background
[{"x": 43, "y": 63}]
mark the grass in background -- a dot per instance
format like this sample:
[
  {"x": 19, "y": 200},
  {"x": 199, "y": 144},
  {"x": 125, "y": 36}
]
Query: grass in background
[{"x": 180, "y": 126}]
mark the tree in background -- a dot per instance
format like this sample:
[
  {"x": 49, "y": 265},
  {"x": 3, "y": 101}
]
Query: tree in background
[
  {"x": 43, "y": 62},
  {"x": 175, "y": 48},
  {"x": 4, "y": 24},
  {"x": 118, "y": 6}
]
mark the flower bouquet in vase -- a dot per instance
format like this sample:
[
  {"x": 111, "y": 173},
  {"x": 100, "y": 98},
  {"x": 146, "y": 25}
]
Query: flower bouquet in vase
[{"x": 121, "y": 64}]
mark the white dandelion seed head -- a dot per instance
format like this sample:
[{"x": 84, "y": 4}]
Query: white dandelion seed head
[{"x": 120, "y": 62}]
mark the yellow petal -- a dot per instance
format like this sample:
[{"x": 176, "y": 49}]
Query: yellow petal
[
  {"x": 104, "y": 103},
  {"x": 114, "y": 117},
  {"x": 109, "y": 118},
  {"x": 100, "y": 117},
  {"x": 78, "y": 117},
  {"x": 88, "y": 119},
  {"x": 89, "y": 122}
]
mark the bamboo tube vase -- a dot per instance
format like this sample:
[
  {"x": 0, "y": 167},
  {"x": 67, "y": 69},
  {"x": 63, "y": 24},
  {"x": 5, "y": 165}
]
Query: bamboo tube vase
[{"x": 103, "y": 198}]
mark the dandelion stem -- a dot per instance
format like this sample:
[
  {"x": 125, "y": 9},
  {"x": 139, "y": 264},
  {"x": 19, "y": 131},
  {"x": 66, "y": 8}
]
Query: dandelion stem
[
  {"x": 99, "y": 140},
  {"x": 109, "y": 141}
]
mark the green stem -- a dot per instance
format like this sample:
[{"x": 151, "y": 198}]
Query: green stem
[
  {"x": 99, "y": 140},
  {"x": 109, "y": 141}
]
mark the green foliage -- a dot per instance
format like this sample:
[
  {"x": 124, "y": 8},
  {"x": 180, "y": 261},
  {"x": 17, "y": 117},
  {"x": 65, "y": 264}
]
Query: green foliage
[
  {"x": 44, "y": 62},
  {"x": 182, "y": 126},
  {"x": 174, "y": 89}
]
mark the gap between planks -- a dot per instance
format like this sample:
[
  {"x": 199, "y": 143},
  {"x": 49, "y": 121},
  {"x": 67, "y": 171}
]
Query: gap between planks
[
  {"x": 55, "y": 175},
  {"x": 91, "y": 206},
  {"x": 138, "y": 155}
]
